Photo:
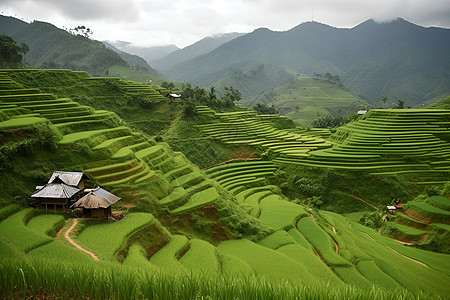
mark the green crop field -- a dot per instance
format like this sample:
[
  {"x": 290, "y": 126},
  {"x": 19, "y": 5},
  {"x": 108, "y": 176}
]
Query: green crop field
[{"x": 250, "y": 225}]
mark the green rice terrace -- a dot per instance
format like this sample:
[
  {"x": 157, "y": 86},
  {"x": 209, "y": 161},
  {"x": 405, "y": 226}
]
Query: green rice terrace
[{"x": 247, "y": 226}]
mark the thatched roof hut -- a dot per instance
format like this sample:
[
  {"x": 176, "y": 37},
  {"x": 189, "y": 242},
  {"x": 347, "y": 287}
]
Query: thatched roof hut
[{"x": 97, "y": 203}]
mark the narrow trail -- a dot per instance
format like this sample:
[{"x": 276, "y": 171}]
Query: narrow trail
[
  {"x": 66, "y": 235},
  {"x": 416, "y": 261},
  {"x": 359, "y": 198},
  {"x": 312, "y": 217},
  {"x": 403, "y": 243}
]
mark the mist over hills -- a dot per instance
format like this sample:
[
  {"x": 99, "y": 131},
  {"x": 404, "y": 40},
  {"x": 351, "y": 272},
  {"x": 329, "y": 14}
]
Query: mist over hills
[
  {"x": 398, "y": 59},
  {"x": 150, "y": 54},
  {"x": 134, "y": 61},
  {"x": 201, "y": 47}
]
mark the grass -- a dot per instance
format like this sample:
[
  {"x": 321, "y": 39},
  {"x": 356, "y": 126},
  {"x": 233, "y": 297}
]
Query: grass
[
  {"x": 113, "y": 282},
  {"x": 13, "y": 229},
  {"x": 106, "y": 239},
  {"x": 439, "y": 202},
  {"x": 201, "y": 258},
  {"x": 166, "y": 258},
  {"x": 266, "y": 262},
  {"x": 279, "y": 213},
  {"x": 321, "y": 241},
  {"x": 425, "y": 211},
  {"x": 45, "y": 224}
]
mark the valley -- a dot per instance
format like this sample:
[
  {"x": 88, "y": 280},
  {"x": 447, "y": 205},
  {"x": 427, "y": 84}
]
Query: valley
[{"x": 265, "y": 203}]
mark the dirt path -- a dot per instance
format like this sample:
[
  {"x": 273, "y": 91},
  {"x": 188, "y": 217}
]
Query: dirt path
[
  {"x": 312, "y": 217},
  {"x": 360, "y": 199},
  {"x": 336, "y": 246},
  {"x": 403, "y": 243},
  {"x": 348, "y": 222},
  {"x": 66, "y": 235},
  {"x": 416, "y": 261}
]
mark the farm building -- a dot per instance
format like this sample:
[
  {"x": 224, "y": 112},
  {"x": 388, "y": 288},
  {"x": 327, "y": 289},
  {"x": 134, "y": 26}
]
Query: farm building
[
  {"x": 55, "y": 195},
  {"x": 398, "y": 205},
  {"x": 96, "y": 203},
  {"x": 174, "y": 97},
  {"x": 391, "y": 208},
  {"x": 62, "y": 189},
  {"x": 70, "y": 178}
]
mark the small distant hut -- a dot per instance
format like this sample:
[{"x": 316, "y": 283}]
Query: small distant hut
[
  {"x": 96, "y": 203},
  {"x": 362, "y": 112},
  {"x": 391, "y": 209},
  {"x": 174, "y": 97},
  {"x": 398, "y": 205}
]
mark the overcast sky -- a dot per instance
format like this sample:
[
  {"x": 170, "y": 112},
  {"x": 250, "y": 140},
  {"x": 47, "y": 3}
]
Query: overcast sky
[{"x": 183, "y": 22}]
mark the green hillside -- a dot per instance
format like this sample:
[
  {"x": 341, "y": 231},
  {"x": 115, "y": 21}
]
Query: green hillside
[
  {"x": 244, "y": 227},
  {"x": 441, "y": 104},
  {"x": 54, "y": 48},
  {"x": 306, "y": 99},
  {"x": 396, "y": 59}
]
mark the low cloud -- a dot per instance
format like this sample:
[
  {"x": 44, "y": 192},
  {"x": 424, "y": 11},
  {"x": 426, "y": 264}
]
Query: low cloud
[{"x": 182, "y": 22}]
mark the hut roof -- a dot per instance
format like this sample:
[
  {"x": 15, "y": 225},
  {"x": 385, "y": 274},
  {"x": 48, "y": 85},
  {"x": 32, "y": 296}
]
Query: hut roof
[
  {"x": 56, "y": 191},
  {"x": 69, "y": 178},
  {"x": 105, "y": 195},
  {"x": 96, "y": 198},
  {"x": 91, "y": 201}
]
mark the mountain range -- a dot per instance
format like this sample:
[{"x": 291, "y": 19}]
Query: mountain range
[{"x": 397, "y": 59}]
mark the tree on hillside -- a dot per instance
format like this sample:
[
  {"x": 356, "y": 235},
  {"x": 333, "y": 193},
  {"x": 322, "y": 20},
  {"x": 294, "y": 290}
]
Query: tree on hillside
[
  {"x": 168, "y": 85},
  {"x": 81, "y": 30},
  {"x": 335, "y": 79},
  {"x": 400, "y": 104},
  {"x": 231, "y": 95},
  {"x": 212, "y": 93},
  {"x": 264, "y": 109},
  {"x": 11, "y": 53},
  {"x": 384, "y": 99}
]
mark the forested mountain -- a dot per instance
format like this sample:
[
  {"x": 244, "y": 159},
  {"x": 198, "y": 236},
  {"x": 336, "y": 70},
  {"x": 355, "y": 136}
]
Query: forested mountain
[
  {"x": 135, "y": 62},
  {"x": 54, "y": 48},
  {"x": 398, "y": 59},
  {"x": 201, "y": 47},
  {"x": 150, "y": 54}
]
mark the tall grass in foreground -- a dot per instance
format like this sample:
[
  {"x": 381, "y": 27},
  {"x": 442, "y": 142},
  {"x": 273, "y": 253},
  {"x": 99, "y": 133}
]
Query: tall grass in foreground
[{"x": 107, "y": 281}]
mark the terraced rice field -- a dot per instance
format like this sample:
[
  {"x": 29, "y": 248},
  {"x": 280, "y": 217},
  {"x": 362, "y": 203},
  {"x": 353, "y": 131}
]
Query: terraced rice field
[
  {"x": 410, "y": 142},
  {"x": 387, "y": 142},
  {"x": 306, "y": 252},
  {"x": 123, "y": 157},
  {"x": 248, "y": 181},
  {"x": 245, "y": 127},
  {"x": 422, "y": 219}
]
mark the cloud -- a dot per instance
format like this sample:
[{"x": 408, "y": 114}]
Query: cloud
[{"x": 182, "y": 22}]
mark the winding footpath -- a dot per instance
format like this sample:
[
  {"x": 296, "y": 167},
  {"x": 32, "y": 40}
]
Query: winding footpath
[{"x": 66, "y": 235}]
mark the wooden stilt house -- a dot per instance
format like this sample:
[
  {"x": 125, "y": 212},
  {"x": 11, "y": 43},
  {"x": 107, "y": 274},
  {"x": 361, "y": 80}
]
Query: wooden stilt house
[{"x": 62, "y": 189}]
